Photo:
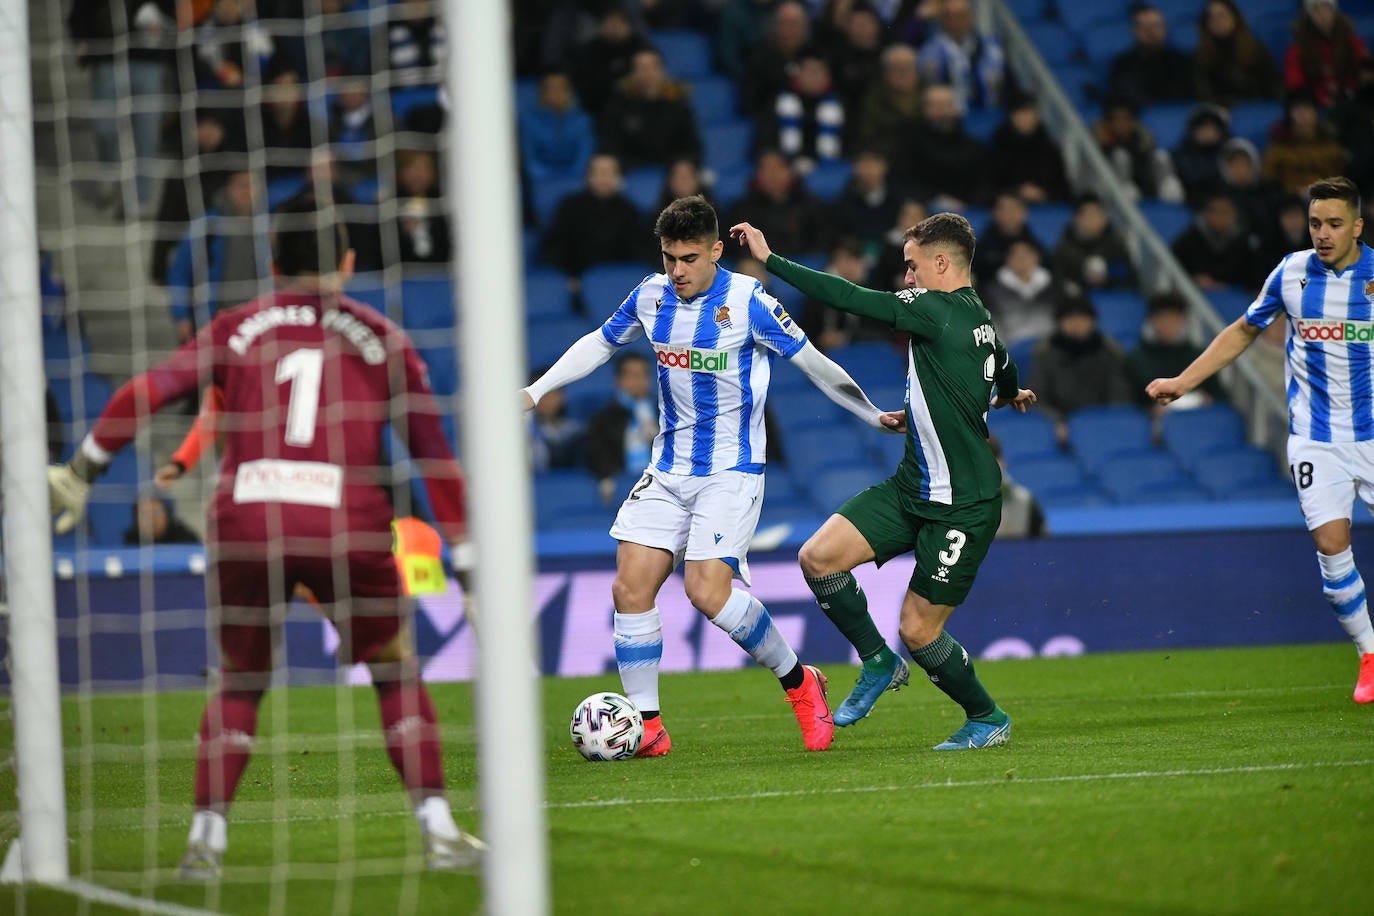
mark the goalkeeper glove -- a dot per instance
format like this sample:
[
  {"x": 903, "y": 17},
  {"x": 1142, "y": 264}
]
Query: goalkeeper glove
[{"x": 69, "y": 486}]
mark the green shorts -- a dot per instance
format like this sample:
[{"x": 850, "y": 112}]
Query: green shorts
[{"x": 950, "y": 542}]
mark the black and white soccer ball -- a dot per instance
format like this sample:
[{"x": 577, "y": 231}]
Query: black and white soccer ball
[{"x": 606, "y": 726}]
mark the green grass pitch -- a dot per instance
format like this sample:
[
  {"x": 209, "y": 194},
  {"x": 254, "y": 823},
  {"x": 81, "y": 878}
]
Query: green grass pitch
[{"x": 1231, "y": 781}]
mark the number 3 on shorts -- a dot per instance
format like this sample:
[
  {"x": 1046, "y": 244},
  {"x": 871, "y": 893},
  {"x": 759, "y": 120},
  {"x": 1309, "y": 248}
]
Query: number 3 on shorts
[{"x": 956, "y": 547}]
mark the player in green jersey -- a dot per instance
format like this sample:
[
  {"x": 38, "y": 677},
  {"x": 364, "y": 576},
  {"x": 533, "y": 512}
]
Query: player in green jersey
[{"x": 945, "y": 500}]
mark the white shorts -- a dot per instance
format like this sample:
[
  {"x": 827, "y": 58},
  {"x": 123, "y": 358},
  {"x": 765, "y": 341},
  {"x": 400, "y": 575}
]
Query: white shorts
[
  {"x": 1329, "y": 475},
  {"x": 696, "y": 518}
]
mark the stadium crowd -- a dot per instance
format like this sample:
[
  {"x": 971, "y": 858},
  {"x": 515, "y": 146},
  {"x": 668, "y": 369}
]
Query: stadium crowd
[{"x": 821, "y": 121}]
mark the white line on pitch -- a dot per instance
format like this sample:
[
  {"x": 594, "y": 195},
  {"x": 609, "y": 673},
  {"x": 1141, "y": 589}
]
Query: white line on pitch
[
  {"x": 111, "y": 897},
  {"x": 962, "y": 784}
]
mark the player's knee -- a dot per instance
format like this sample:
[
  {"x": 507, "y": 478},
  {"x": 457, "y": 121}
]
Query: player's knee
[
  {"x": 628, "y": 595},
  {"x": 814, "y": 559},
  {"x": 707, "y": 597},
  {"x": 916, "y": 633}
]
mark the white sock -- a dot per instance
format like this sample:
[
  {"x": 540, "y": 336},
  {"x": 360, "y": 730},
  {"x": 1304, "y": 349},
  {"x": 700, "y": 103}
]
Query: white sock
[
  {"x": 749, "y": 624},
  {"x": 638, "y": 655},
  {"x": 1344, "y": 591},
  {"x": 210, "y": 828},
  {"x": 436, "y": 818}
]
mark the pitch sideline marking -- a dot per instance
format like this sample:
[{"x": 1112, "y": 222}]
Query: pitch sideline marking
[{"x": 100, "y": 894}]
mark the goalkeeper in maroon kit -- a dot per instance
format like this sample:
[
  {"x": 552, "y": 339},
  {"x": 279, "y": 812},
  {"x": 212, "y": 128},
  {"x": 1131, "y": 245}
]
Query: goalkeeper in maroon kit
[{"x": 309, "y": 379}]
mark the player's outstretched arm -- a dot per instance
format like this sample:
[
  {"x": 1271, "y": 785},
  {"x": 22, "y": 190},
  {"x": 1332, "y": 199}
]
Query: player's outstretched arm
[
  {"x": 1233, "y": 340},
  {"x": 832, "y": 290},
  {"x": 585, "y": 355},
  {"x": 830, "y": 377}
]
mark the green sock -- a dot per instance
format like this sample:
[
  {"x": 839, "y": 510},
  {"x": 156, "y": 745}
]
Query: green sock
[
  {"x": 845, "y": 603},
  {"x": 948, "y": 666}
]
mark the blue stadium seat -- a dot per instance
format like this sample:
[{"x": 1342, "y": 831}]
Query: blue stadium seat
[
  {"x": 1168, "y": 121},
  {"x": 829, "y": 178},
  {"x": 1159, "y": 492},
  {"x": 1023, "y": 436},
  {"x": 1230, "y": 472},
  {"x": 729, "y": 145},
  {"x": 605, "y": 286},
  {"x": 1070, "y": 497},
  {"x": 1230, "y": 301},
  {"x": 526, "y": 93},
  {"x": 427, "y": 302},
  {"x": 1021, "y": 354},
  {"x": 829, "y": 488},
  {"x": 405, "y": 100},
  {"x": 1103, "y": 41},
  {"x": 1079, "y": 14},
  {"x": 643, "y": 187},
  {"x": 714, "y": 100},
  {"x": 686, "y": 53},
  {"x": 1047, "y": 222},
  {"x": 1169, "y": 220},
  {"x": 1120, "y": 313},
  {"x": 804, "y": 410},
  {"x": 547, "y": 195},
  {"x": 730, "y": 185},
  {"x": 1252, "y": 120},
  {"x": 983, "y": 122},
  {"x": 872, "y": 363},
  {"x": 559, "y": 494},
  {"x": 1052, "y": 472},
  {"x": 1193, "y": 434},
  {"x": 814, "y": 447},
  {"x": 1030, "y": 10},
  {"x": 1141, "y": 477},
  {"x": 1098, "y": 434},
  {"x": 442, "y": 363},
  {"x": 1080, "y": 83},
  {"x": 1279, "y": 488},
  {"x": 371, "y": 291},
  {"x": 1052, "y": 40},
  {"x": 547, "y": 342},
  {"x": 546, "y": 294},
  {"x": 887, "y": 451}
]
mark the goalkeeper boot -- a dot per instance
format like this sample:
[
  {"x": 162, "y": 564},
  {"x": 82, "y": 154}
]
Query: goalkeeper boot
[
  {"x": 873, "y": 680},
  {"x": 811, "y": 710},
  {"x": 444, "y": 854},
  {"x": 1364, "y": 687},
  {"x": 201, "y": 863},
  {"x": 655, "y": 742},
  {"x": 974, "y": 734}
]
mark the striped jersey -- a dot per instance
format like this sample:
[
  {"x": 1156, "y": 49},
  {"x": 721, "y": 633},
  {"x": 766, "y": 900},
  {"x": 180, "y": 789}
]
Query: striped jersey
[
  {"x": 1329, "y": 368},
  {"x": 714, "y": 356}
]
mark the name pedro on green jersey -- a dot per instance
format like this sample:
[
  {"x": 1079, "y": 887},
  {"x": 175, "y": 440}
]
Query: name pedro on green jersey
[
  {"x": 1334, "y": 330},
  {"x": 692, "y": 358}
]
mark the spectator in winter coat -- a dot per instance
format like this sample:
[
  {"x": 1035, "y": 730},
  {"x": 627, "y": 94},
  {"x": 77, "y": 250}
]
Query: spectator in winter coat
[
  {"x": 596, "y": 225},
  {"x": 1129, "y": 145},
  {"x": 1077, "y": 366},
  {"x": 1303, "y": 148},
  {"x": 1164, "y": 351},
  {"x": 556, "y": 136},
  {"x": 1197, "y": 158},
  {"x": 893, "y": 104},
  {"x": 648, "y": 120},
  {"x": 868, "y": 206},
  {"x": 1256, "y": 199},
  {"x": 1151, "y": 70},
  {"x": 1091, "y": 254},
  {"x": 961, "y": 57},
  {"x": 604, "y": 60},
  {"x": 1024, "y": 158},
  {"x": 1216, "y": 250},
  {"x": 1325, "y": 54},
  {"x": 1010, "y": 223},
  {"x": 1230, "y": 64},
  {"x": 773, "y": 63},
  {"x": 777, "y": 199},
  {"x": 807, "y": 124},
  {"x": 938, "y": 158}
]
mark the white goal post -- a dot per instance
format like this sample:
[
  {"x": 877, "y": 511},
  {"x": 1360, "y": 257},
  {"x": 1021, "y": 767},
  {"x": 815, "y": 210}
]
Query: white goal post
[{"x": 42, "y": 846}]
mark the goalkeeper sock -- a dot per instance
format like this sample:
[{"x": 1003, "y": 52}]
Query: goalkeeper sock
[
  {"x": 1344, "y": 590},
  {"x": 844, "y": 602},
  {"x": 436, "y": 818},
  {"x": 226, "y": 743},
  {"x": 210, "y": 828},
  {"x": 412, "y": 735},
  {"x": 947, "y": 665},
  {"x": 638, "y": 655},
  {"x": 748, "y": 623}
]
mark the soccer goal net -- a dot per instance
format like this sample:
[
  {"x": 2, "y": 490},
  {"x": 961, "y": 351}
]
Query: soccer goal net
[{"x": 168, "y": 136}]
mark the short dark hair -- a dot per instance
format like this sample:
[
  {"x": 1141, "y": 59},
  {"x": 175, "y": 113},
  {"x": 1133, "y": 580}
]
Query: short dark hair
[
  {"x": 947, "y": 229},
  {"x": 307, "y": 238},
  {"x": 1075, "y": 304},
  {"x": 624, "y": 359},
  {"x": 1168, "y": 301},
  {"x": 688, "y": 219},
  {"x": 1337, "y": 188}
]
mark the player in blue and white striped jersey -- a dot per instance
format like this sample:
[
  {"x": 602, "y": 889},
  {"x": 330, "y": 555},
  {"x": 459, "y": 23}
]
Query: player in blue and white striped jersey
[
  {"x": 1326, "y": 295},
  {"x": 715, "y": 335}
]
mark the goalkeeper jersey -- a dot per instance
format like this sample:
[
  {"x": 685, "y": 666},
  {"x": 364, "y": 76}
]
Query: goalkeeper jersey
[
  {"x": 714, "y": 358},
  {"x": 954, "y": 364}
]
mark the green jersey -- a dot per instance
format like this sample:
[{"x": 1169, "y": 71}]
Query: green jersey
[{"x": 956, "y": 362}]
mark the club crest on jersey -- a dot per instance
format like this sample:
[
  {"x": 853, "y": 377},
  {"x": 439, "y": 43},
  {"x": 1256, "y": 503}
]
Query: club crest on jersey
[
  {"x": 723, "y": 316},
  {"x": 1369, "y": 290}
]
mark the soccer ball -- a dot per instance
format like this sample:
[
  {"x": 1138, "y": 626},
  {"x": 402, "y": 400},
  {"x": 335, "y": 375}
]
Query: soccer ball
[{"x": 606, "y": 726}]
